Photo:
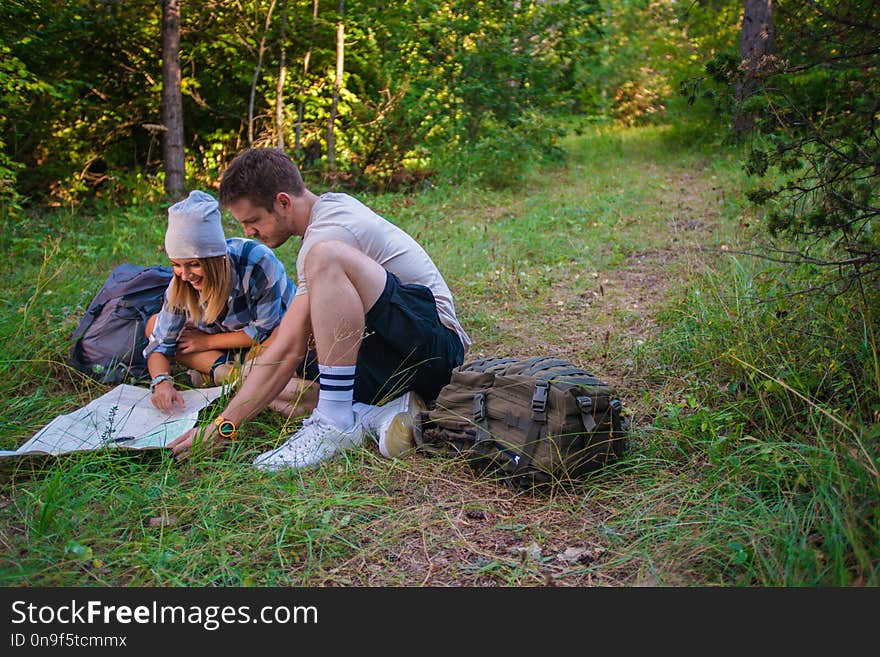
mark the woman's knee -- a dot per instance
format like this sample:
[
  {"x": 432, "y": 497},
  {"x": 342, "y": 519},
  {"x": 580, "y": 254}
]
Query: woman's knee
[
  {"x": 299, "y": 397},
  {"x": 148, "y": 327}
]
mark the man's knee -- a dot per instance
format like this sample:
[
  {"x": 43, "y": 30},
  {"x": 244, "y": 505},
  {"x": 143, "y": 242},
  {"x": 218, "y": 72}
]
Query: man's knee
[
  {"x": 332, "y": 260},
  {"x": 326, "y": 256}
]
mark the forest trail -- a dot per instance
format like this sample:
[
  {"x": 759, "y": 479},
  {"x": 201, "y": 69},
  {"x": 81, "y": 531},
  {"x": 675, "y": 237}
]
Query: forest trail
[{"x": 619, "y": 311}]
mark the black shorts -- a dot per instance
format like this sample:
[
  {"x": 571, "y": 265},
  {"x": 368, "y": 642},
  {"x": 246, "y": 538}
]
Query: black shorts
[{"x": 406, "y": 347}]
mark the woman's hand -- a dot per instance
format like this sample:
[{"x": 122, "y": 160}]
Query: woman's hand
[
  {"x": 192, "y": 340},
  {"x": 165, "y": 396}
]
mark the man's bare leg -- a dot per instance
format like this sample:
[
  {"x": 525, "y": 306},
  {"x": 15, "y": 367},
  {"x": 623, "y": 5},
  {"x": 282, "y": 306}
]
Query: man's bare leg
[
  {"x": 299, "y": 398},
  {"x": 343, "y": 284}
]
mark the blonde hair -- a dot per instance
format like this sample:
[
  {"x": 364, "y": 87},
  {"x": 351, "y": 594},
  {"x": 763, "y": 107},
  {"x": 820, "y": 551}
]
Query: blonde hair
[{"x": 204, "y": 306}]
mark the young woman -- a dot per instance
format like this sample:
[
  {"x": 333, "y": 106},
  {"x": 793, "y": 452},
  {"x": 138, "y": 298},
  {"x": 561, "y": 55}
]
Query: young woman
[{"x": 227, "y": 295}]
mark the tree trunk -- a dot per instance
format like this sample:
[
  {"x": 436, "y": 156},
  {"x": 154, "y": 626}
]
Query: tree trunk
[
  {"x": 260, "y": 52},
  {"x": 172, "y": 103},
  {"x": 756, "y": 41},
  {"x": 302, "y": 85},
  {"x": 279, "y": 90},
  {"x": 337, "y": 86}
]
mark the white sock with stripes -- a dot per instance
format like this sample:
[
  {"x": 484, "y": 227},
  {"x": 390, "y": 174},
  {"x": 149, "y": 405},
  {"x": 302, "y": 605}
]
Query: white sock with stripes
[{"x": 336, "y": 393}]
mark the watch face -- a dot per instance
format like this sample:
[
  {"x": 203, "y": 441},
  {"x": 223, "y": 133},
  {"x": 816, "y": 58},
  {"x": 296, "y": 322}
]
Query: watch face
[{"x": 226, "y": 429}]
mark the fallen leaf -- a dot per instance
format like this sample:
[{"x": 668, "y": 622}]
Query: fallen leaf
[
  {"x": 532, "y": 550},
  {"x": 571, "y": 554}
]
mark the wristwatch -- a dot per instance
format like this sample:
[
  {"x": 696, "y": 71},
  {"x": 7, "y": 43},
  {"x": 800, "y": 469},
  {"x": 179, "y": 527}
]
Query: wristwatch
[
  {"x": 159, "y": 379},
  {"x": 226, "y": 428}
]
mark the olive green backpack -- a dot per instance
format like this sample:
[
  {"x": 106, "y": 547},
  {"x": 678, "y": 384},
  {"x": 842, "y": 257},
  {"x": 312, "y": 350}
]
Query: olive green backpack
[{"x": 532, "y": 421}]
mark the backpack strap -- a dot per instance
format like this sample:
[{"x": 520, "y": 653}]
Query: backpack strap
[
  {"x": 480, "y": 416},
  {"x": 91, "y": 313},
  {"x": 585, "y": 404},
  {"x": 481, "y": 421},
  {"x": 474, "y": 366},
  {"x": 583, "y": 377},
  {"x": 540, "y": 394},
  {"x": 486, "y": 446},
  {"x": 487, "y": 364},
  {"x": 542, "y": 363},
  {"x": 562, "y": 371}
]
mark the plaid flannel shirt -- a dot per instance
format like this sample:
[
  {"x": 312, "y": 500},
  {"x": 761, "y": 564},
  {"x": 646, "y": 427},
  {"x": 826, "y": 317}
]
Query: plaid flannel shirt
[{"x": 261, "y": 292}]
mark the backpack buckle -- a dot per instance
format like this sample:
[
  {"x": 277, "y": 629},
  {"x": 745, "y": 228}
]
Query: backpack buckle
[
  {"x": 479, "y": 407},
  {"x": 585, "y": 404},
  {"x": 539, "y": 396}
]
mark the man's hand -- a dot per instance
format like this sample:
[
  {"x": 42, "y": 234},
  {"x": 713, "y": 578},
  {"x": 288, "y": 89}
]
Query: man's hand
[{"x": 200, "y": 440}]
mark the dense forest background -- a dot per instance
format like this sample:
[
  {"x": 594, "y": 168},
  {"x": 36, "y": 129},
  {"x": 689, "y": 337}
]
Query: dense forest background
[
  {"x": 107, "y": 98},
  {"x": 359, "y": 90},
  {"x": 389, "y": 84}
]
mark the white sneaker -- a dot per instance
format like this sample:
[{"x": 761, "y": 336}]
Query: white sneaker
[
  {"x": 318, "y": 439},
  {"x": 391, "y": 424}
]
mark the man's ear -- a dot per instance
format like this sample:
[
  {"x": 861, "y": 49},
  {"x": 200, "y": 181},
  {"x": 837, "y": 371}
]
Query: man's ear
[{"x": 283, "y": 200}]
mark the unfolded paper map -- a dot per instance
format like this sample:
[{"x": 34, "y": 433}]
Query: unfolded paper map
[{"x": 124, "y": 417}]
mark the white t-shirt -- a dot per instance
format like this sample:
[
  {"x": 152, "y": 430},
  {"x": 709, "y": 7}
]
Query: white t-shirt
[{"x": 342, "y": 217}]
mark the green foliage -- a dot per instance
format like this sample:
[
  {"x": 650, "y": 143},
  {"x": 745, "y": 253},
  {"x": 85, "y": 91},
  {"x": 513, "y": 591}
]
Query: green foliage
[
  {"x": 814, "y": 148},
  {"x": 504, "y": 155},
  {"x": 17, "y": 84},
  {"x": 776, "y": 397},
  {"x": 85, "y": 83},
  {"x": 649, "y": 49},
  {"x": 709, "y": 94},
  {"x": 418, "y": 75},
  {"x": 453, "y": 75}
]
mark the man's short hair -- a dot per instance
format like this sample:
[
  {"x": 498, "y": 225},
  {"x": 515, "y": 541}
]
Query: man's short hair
[{"x": 259, "y": 174}]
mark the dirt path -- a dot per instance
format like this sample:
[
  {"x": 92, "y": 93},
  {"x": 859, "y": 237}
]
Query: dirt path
[{"x": 617, "y": 312}]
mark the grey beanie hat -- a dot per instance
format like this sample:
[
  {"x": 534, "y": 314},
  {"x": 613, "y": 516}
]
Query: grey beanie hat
[{"x": 194, "y": 228}]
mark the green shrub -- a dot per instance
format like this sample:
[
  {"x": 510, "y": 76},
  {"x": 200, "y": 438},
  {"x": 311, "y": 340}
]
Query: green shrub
[{"x": 503, "y": 155}]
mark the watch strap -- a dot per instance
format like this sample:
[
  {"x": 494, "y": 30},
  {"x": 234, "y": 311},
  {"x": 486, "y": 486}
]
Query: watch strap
[{"x": 156, "y": 380}]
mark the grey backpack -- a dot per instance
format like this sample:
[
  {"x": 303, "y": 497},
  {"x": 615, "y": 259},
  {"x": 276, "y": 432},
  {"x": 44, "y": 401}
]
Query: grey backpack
[{"x": 109, "y": 341}]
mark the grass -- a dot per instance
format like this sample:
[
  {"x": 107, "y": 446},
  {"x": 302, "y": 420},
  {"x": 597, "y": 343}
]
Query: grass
[
  {"x": 775, "y": 416},
  {"x": 753, "y": 459}
]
